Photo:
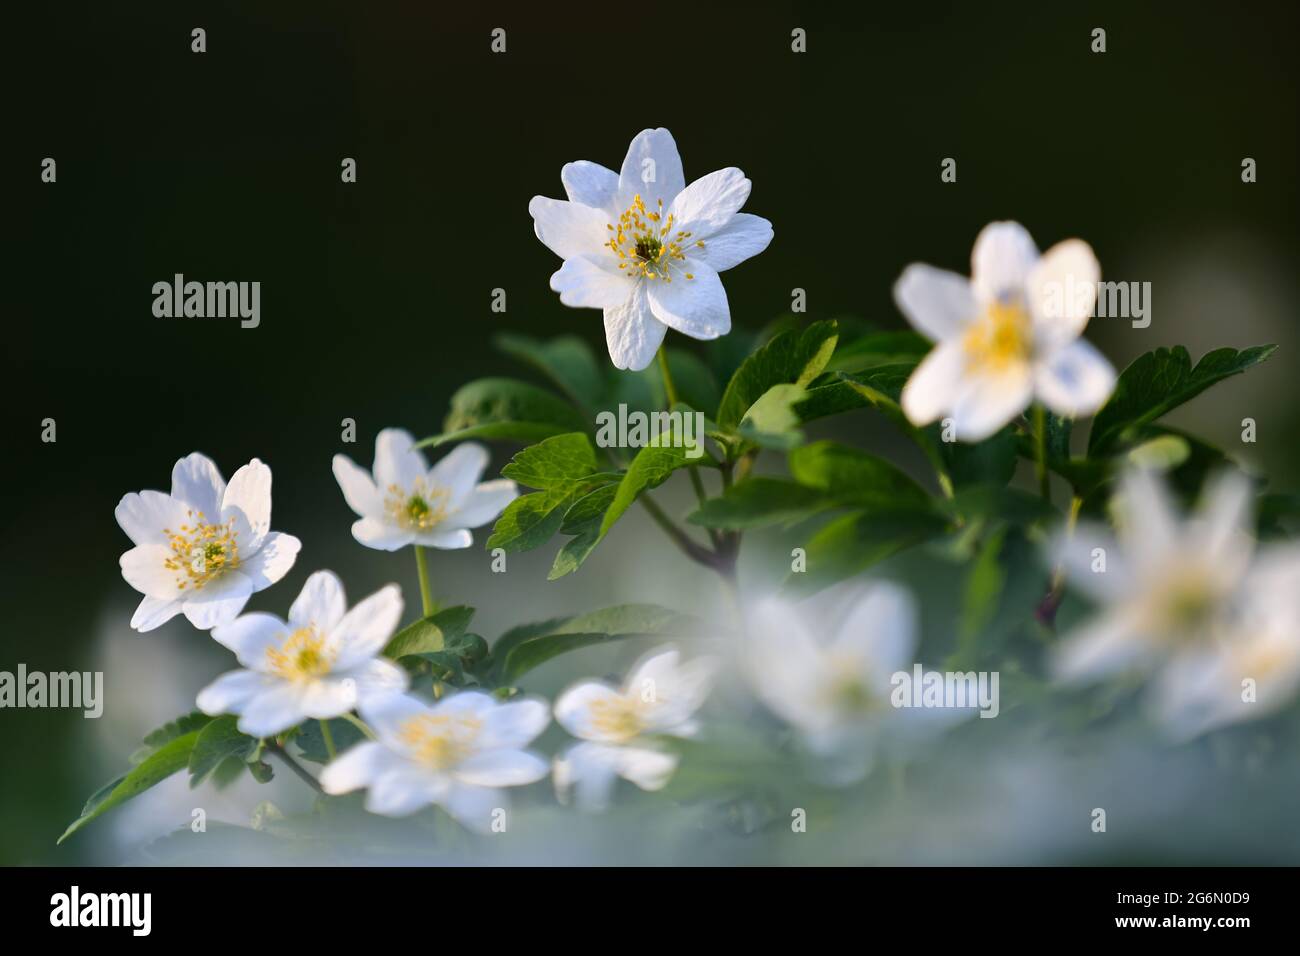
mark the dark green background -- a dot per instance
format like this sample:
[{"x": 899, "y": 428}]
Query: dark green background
[{"x": 375, "y": 296}]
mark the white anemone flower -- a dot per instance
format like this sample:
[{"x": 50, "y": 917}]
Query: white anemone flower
[
  {"x": 458, "y": 753},
  {"x": 407, "y": 502},
  {"x": 826, "y": 667},
  {"x": 646, "y": 248},
  {"x": 1191, "y": 603},
  {"x": 1007, "y": 336},
  {"x": 206, "y": 547},
  {"x": 320, "y": 663},
  {"x": 618, "y": 726}
]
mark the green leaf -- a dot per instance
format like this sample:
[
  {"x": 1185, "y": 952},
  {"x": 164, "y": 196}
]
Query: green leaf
[
  {"x": 759, "y": 502},
  {"x": 650, "y": 468},
  {"x": 583, "y": 521},
  {"x": 983, "y": 589},
  {"x": 217, "y": 741},
  {"x": 553, "y": 463},
  {"x": 793, "y": 357},
  {"x": 525, "y": 648},
  {"x": 1160, "y": 381},
  {"x": 460, "y": 655},
  {"x": 998, "y": 503},
  {"x": 499, "y": 431},
  {"x": 852, "y": 543},
  {"x": 692, "y": 380},
  {"x": 852, "y": 477},
  {"x": 772, "y": 421},
  {"x": 194, "y": 720},
  {"x": 432, "y": 633},
  {"x": 992, "y": 461},
  {"x": 311, "y": 741},
  {"x": 167, "y": 759},
  {"x": 567, "y": 361},
  {"x": 517, "y": 409},
  {"x": 879, "y": 348}
]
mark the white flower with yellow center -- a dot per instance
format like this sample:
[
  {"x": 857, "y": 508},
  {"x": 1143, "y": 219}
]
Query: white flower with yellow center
[
  {"x": 618, "y": 726},
  {"x": 834, "y": 689},
  {"x": 1006, "y": 337},
  {"x": 458, "y": 753},
  {"x": 206, "y": 547},
  {"x": 322, "y": 662},
  {"x": 645, "y": 248},
  {"x": 1190, "y": 602},
  {"x": 407, "y": 502}
]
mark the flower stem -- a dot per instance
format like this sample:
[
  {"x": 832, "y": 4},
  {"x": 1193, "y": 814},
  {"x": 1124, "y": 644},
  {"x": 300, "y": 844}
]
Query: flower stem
[
  {"x": 293, "y": 765},
  {"x": 1040, "y": 460},
  {"x": 426, "y": 593},
  {"x": 361, "y": 725},
  {"x": 670, "y": 398},
  {"x": 328, "y": 738}
]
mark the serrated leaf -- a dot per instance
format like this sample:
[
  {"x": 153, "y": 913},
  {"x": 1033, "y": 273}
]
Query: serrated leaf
[
  {"x": 167, "y": 759},
  {"x": 1159, "y": 381},
  {"x": 553, "y": 463},
  {"x": 194, "y": 720},
  {"x": 794, "y": 358},
  {"x": 216, "y": 742},
  {"x": 760, "y": 502},
  {"x": 772, "y": 421},
  {"x": 506, "y": 400},
  {"x": 583, "y": 521},
  {"x": 878, "y": 348}
]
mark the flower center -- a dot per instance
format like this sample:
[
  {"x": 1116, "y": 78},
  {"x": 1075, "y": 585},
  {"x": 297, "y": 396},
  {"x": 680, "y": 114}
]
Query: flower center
[
  {"x": 646, "y": 243},
  {"x": 618, "y": 718},
  {"x": 201, "y": 551},
  {"x": 999, "y": 338},
  {"x": 303, "y": 657},
  {"x": 438, "y": 740},
  {"x": 418, "y": 509}
]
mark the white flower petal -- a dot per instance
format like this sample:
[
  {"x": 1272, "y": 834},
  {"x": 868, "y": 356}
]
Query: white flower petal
[
  {"x": 358, "y": 767},
  {"x": 143, "y": 516},
  {"x": 573, "y": 708},
  {"x": 647, "y": 768},
  {"x": 250, "y": 636},
  {"x": 1076, "y": 555},
  {"x": 1074, "y": 380},
  {"x": 589, "y": 770},
  {"x": 745, "y": 236},
  {"x": 990, "y": 399},
  {"x": 787, "y": 666},
  {"x": 358, "y": 488},
  {"x": 363, "y": 631},
  {"x": 386, "y": 714},
  {"x": 1062, "y": 291},
  {"x": 379, "y": 535},
  {"x": 231, "y": 691},
  {"x": 219, "y": 601},
  {"x": 584, "y": 284},
  {"x": 402, "y": 790},
  {"x": 696, "y": 307},
  {"x": 144, "y": 568},
  {"x": 632, "y": 333},
  {"x": 328, "y": 697},
  {"x": 445, "y": 539},
  {"x": 473, "y": 806},
  {"x": 669, "y": 691},
  {"x": 1224, "y": 520},
  {"x": 376, "y": 678},
  {"x": 501, "y": 768},
  {"x": 1148, "y": 524},
  {"x": 1003, "y": 256},
  {"x": 937, "y": 302},
  {"x": 652, "y": 169},
  {"x": 932, "y": 389},
  {"x": 249, "y": 491},
  {"x": 397, "y": 460},
  {"x": 271, "y": 561},
  {"x": 515, "y": 724},
  {"x": 708, "y": 204},
  {"x": 568, "y": 229},
  {"x": 155, "y": 612},
  {"x": 1108, "y": 644},
  {"x": 272, "y": 710},
  {"x": 880, "y": 627},
  {"x": 485, "y": 503},
  {"x": 459, "y": 471},
  {"x": 197, "y": 482},
  {"x": 321, "y": 603},
  {"x": 590, "y": 184}
]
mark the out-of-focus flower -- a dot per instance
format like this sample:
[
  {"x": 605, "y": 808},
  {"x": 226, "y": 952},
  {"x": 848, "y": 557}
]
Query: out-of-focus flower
[
  {"x": 646, "y": 248},
  {"x": 1191, "y": 603},
  {"x": 321, "y": 663},
  {"x": 1007, "y": 336},
  {"x": 407, "y": 502},
  {"x": 206, "y": 547},
  {"x": 458, "y": 753},
  {"x": 618, "y": 726}
]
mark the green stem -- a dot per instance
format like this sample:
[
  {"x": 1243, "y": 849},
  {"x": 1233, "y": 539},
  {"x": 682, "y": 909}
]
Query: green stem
[
  {"x": 670, "y": 397},
  {"x": 328, "y": 738},
  {"x": 426, "y": 593},
  {"x": 670, "y": 391},
  {"x": 1040, "y": 459},
  {"x": 361, "y": 725},
  {"x": 293, "y": 765}
]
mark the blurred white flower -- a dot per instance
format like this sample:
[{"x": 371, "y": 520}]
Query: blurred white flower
[
  {"x": 407, "y": 502},
  {"x": 321, "y": 663},
  {"x": 618, "y": 725},
  {"x": 646, "y": 248},
  {"x": 1190, "y": 603},
  {"x": 457, "y": 753},
  {"x": 204, "y": 548},
  {"x": 835, "y": 689},
  {"x": 1007, "y": 336}
]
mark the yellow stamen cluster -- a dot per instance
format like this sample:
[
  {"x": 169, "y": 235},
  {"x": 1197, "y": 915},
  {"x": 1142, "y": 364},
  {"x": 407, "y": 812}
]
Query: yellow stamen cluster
[
  {"x": 440, "y": 740},
  {"x": 200, "y": 551},
  {"x": 646, "y": 243},
  {"x": 618, "y": 718},
  {"x": 1001, "y": 337},
  {"x": 419, "y": 509},
  {"x": 304, "y": 656}
]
